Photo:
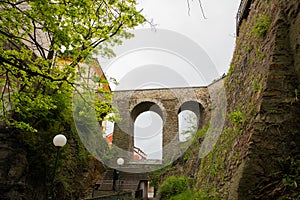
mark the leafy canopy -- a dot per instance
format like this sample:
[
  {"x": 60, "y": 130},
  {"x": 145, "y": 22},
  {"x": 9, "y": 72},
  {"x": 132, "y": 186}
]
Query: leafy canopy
[{"x": 36, "y": 34}]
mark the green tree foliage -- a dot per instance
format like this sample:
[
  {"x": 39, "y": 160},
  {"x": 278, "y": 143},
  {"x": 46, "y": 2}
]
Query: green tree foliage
[
  {"x": 42, "y": 45},
  {"x": 36, "y": 34}
]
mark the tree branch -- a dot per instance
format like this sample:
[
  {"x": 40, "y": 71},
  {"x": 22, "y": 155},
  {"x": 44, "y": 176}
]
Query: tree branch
[
  {"x": 21, "y": 65},
  {"x": 201, "y": 8},
  {"x": 200, "y": 4},
  {"x": 34, "y": 39},
  {"x": 3, "y": 92}
]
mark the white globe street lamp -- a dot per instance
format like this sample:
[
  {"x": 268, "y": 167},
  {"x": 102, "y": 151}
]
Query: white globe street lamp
[
  {"x": 59, "y": 141},
  {"x": 120, "y": 162}
]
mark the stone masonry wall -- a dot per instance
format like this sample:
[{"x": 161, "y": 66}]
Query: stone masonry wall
[
  {"x": 168, "y": 101},
  {"x": 263, "y": 85}
]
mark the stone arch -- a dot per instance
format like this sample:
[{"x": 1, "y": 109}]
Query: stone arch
[
  {"x": 167, "y": 104},
  {"x": 146, "y": 106},
  {"x": 196, "y": 108}
]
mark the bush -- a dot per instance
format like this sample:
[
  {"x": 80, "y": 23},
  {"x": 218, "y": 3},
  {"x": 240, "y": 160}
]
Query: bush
[
  {"x": 185, "y": 195},
  {"x": 173, "y": 186},
  {"x": 201, "y": 195}
]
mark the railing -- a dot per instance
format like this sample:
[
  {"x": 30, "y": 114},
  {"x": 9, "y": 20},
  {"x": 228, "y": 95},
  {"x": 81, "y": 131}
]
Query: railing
[
  {"x": 242, "y": 13},
  {"x": 138, "y": 194},
  {"x": 120, "y": 196}
]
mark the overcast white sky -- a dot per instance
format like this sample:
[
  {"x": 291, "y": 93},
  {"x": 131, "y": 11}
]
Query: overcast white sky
[{"x": 215, "y": 35}]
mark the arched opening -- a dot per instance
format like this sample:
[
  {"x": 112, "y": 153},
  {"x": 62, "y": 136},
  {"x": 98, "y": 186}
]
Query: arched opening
[
  {"x": 187, "y": 125},
  {"x": 148, "y": 130},
  {"x": 189, "y": 120}
]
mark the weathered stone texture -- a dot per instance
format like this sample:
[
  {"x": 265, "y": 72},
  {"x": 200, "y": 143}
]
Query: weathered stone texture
[
  {"x": 273, "y": 131},
  {"x": 13, "y": 166}
]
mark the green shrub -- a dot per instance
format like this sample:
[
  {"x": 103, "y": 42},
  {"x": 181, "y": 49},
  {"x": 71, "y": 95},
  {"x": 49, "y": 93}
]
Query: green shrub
[
  {"x": 173, "y": 186},
  {"x": 189, "y": 194},
  {"x": 204, "y": 196}
]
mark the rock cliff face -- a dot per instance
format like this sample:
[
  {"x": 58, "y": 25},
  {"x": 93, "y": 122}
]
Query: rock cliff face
[
  {"x": 26, "y": 171},
  {"x": 259, "y": 150},
  {"x": 258, "y": 153},
  {"x": 13, "y": 166}
]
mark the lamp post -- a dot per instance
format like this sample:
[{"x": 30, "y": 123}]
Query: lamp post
[
  {"x": 58, "y": 141},
  {"x": 120, "y": 162}
]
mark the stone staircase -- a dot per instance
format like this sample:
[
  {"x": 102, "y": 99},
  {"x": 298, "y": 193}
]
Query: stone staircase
[
  {"x": 107, "y": 183},
  {"x": 128, "y": 181}
]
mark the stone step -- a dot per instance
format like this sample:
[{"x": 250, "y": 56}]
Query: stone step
[
  {"x": 106, "y": 185},
  {"x": 128, "y": 181},
  {"x": 129, "y": 185}
]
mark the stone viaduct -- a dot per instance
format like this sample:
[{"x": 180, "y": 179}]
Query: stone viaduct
[{"x": 167, "y": 103}]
